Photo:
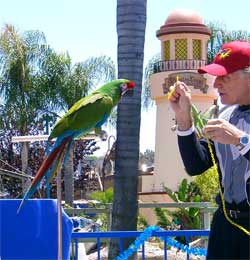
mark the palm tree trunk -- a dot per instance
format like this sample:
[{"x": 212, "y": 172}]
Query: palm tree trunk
[
  {"x": 69, "y": 179},
  {"x": 131, "y": 23}
]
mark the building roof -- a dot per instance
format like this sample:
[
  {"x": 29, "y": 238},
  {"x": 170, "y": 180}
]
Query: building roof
[{"x": 183, "y": 21}]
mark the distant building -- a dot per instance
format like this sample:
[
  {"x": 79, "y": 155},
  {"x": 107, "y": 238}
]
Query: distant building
[{"x": 184, "y": 40}]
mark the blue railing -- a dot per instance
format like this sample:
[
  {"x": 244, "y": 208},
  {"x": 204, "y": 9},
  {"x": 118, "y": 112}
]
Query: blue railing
[{"x": 164, "y": 235}]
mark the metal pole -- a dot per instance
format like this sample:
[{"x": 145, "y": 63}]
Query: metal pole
[
  {"x": 206, "y": 220},
  {"x": 47, "y": 152},
  {"x": 59, "y": 214}
]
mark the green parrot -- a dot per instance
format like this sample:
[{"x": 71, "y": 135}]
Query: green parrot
[{"x": 87, "y": 114}]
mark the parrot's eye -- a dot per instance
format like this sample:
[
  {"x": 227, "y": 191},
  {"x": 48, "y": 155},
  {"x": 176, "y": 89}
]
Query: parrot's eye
[{"x": 124, "y": 86}]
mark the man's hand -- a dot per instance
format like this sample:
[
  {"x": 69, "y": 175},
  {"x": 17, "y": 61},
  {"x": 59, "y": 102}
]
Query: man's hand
[
  {"x": 180, "y": 101},
  {"x": 221, "y": 131}
]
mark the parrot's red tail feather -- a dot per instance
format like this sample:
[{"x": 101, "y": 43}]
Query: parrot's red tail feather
[
  {"x": 47, "y": 163},
  {"x": 56, "y": 154}
]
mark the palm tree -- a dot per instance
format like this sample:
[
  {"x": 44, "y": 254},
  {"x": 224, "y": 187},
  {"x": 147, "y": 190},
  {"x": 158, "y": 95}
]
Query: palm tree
[
  {"x": 20, "y": 57},
  {"x": 131, "y": 23}
]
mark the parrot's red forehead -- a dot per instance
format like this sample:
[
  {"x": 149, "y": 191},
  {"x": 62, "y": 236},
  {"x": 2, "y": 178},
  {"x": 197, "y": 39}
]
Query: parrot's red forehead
[{"x": 131, "y": 85}]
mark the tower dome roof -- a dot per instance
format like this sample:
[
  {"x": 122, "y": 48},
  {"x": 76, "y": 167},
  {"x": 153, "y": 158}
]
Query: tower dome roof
[{"x": 183, "y": 21}]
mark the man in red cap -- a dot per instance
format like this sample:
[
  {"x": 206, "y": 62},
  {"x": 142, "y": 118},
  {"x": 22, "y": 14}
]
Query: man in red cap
[{"x": 230, "y": 136}]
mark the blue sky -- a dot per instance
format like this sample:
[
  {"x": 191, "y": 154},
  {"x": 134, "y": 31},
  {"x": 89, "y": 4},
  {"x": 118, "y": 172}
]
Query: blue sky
[{"x": 87, "y": 28}]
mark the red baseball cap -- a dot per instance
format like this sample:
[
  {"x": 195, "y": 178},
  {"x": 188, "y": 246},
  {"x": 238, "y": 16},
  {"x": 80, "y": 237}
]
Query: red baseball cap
[{"x": 232, "y": 56}]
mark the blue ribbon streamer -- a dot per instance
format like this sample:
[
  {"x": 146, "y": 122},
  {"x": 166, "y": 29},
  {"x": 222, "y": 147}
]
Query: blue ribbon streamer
[{"x": 171, "y": 242}]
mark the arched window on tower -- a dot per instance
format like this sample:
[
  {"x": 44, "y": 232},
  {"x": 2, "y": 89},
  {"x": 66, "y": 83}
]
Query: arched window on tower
[
  {"x": 167, "y": 50},
  {"x": 196, "y": 49},
  {"x": 181, "y": 49}
]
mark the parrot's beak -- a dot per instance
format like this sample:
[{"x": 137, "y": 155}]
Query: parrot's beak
[
  {"x": 129, "y": 93},
  {"x": 129, "y": 90}
]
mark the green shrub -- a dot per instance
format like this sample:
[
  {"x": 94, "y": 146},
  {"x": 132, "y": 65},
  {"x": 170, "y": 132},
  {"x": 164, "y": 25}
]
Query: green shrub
[
  {"x": 103, "y": 196},
  {"x": 186, "y": 218},
  {"x": 141, "y": 222},
  {"x": 208, "y": 184}
]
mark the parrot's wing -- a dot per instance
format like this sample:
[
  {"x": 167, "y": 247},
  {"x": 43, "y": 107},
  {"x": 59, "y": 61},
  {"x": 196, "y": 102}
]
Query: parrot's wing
[
  {"x": 84, "y": 115},
  {"x": 84, "y": 101}
]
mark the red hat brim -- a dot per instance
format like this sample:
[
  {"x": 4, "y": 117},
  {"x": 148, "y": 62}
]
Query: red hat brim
[{"x": 213, "y": 69}]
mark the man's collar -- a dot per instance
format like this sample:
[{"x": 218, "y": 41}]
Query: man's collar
[{"x": 244, "y": 107}]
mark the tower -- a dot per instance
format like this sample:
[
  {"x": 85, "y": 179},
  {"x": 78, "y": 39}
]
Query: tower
[{"x": 183, "y": 50}]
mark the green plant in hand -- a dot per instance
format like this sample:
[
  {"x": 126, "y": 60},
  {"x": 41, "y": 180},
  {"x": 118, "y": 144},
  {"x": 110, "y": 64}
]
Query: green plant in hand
[{"x": 200, "y": 119}]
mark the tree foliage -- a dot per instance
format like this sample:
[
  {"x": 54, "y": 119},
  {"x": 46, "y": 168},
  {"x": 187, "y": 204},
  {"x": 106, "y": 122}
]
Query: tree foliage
[
  {"x": 10, "y": 160},
  {"x": 21, "y": 56},
  {"x": 146, "y": 158},
  {"x": 149, "y": 70},
  {"x": 219, "y": 36}
]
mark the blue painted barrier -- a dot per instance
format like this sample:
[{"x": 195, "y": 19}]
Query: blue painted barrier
[{"x": 32, "y": 234}]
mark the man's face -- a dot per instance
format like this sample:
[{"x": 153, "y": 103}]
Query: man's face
[{"x": 234, "y": 88}]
